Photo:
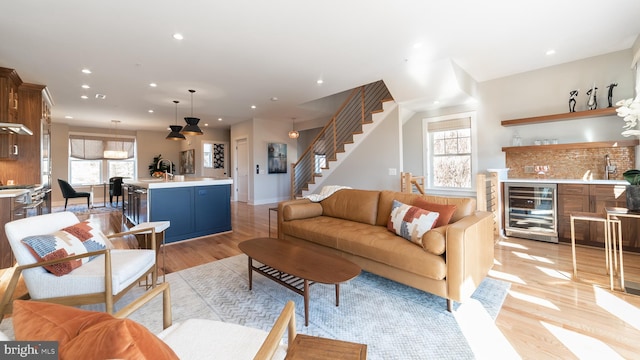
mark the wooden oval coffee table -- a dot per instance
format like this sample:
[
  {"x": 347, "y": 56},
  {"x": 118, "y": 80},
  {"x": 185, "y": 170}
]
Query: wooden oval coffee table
[{"x": 296, "y": 266}]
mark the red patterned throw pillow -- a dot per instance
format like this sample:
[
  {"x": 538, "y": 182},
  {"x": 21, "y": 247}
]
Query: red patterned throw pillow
[
  {"x": 411, "y": 222},
  {"x": 77, "y": 239}
]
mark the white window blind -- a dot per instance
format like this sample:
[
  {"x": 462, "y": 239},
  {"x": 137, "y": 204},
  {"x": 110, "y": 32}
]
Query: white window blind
[{"x": 89, "y": 147}]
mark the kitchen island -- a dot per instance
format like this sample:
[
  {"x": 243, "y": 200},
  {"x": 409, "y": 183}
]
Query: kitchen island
[{"x": 195, "y": 207}]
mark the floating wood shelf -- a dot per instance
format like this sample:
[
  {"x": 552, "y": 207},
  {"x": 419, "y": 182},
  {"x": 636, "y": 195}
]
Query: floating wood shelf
[
  {"x": 560, "y": 117},
  {"x": 572, "y": 146}
]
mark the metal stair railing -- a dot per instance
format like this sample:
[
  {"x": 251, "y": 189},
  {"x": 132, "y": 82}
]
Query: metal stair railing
[{"x": 348, "y": 120}]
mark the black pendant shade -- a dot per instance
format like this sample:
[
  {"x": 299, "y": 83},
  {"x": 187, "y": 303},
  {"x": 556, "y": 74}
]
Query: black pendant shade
[
  {"x": 175, "y": 129},
  {"x": 175, "y": 133},
  {"x": 192, "y": 127}
]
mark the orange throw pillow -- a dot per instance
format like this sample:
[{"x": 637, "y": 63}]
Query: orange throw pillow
[
  {"x": 83, "y": 334},
  {"x": 445, "y": 211},
  {"x": 116, "y": 339},
  {"x": 35, "y": 320}
]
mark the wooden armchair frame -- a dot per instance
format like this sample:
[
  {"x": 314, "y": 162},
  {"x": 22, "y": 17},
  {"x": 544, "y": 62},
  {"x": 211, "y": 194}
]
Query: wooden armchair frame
[{"x": 107, "y": 297}]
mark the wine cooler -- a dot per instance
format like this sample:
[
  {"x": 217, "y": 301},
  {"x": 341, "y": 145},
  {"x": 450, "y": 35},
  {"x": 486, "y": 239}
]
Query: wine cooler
[{"x": 530, "y": 211}]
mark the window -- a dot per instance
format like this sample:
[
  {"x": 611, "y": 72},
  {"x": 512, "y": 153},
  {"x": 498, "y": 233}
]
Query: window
[
  {"x": 87, "y": 164},
  {"x": 450, "y": 152},
  {"x": 320, "y": 162}
]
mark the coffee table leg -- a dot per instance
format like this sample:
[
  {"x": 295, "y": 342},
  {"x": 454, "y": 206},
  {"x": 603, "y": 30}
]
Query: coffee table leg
[
  {"x": 250, "y": 273},
  {"x": 306, "y": 302},
  {"x": 337, "y": 294}
]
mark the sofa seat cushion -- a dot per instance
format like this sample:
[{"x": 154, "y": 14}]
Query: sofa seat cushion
[{"x": 368, "y": 241}]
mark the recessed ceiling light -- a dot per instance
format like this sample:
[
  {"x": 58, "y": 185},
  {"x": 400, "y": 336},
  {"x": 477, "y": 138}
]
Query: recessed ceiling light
[
  {"x": 206, "y": 124},
  {"x": 153, "y": 84},
  {"x": 178, "y": 36},
  {"x": 84, "y": 97},
  {"x": 86, "y": 71},
  {"x": 253, "y": 106},
  {"x": 85, "y": 86},
  {"x": 436, "y": 102},
  {"x": 219, "y": 119},
  {"x": 550, "y": 52},
  {"x": 101, "y": 96},
  {"x": 320, "y": 82},
  {"x": 150, "y": 111},
  {"x": 274, "y": 99},
  {"x": 68, "y": 117}
]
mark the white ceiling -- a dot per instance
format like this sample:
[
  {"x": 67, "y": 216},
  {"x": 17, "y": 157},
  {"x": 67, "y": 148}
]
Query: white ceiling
[{"x": 239, "y": 53}]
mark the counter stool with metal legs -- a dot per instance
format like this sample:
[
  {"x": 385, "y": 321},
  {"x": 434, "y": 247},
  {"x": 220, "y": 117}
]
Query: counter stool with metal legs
[{"x": 609, "y": 235}]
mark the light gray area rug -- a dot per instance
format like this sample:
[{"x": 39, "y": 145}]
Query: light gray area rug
[{"x": 395, "y": 321}]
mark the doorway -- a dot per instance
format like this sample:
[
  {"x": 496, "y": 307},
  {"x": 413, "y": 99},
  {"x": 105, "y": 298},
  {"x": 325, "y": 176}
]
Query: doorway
[{"x": 242, "y": 171}]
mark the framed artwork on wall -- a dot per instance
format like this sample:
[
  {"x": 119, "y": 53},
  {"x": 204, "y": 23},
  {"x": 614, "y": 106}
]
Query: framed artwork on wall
[
  {"x": 187, "y": 163},
  {"x": 277, "y": 158}
]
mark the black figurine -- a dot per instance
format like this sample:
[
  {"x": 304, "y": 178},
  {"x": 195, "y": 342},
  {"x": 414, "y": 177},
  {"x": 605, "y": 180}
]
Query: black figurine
[
  {"x": 572, "y": 100},
  {"x": 592, "y": 104},
  {"x": 610, "y": 96}
]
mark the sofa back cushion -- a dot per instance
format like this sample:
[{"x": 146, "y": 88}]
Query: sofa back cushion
[
  {"x": 354, "y": 205},
  {"x": 464, "y": 206}
]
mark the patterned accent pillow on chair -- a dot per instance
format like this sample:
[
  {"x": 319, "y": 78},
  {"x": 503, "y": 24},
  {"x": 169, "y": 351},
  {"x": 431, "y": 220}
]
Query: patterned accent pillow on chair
[
  {"x": 411, "y": 222},
  {"x": 77, "y": 239}
]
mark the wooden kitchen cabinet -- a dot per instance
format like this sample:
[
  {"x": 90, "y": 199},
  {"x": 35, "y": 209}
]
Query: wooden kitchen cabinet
[
  {"x": 573, "y": 198},
  {"x": 11, "y": 208},
  {"x": 593, "y": 198},
  {"x": 9, "y": 85}
]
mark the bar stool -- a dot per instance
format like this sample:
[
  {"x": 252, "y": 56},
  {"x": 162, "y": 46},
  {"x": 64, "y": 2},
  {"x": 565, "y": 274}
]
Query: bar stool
[
  {"x": 609, "y": 237},
  {"x": 158, "y": 229}
]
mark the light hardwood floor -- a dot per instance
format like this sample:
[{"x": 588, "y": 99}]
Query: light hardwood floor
[{"x": 546, "y": 315}]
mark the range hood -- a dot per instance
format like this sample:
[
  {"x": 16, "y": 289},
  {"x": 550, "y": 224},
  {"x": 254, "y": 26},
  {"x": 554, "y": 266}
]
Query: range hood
[{"x": 19, "y": 129}]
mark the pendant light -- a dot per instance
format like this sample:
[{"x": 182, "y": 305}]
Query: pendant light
[
  {"x": 192, "y": 122},
  {"x": 175, "y": 129},
  {"x": 116, "y": 154},
  {"x": 293, "y": 134}
]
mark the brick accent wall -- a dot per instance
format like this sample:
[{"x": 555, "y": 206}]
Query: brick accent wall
[{"x": 569, "y": 163}]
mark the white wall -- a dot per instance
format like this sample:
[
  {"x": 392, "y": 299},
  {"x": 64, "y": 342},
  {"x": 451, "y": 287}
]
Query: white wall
[
  {"x": 535, "y": 93},
  {"x": 546, "y": 92},
  {"x": 265, "y": 188},
  {"x": 367, "y": 166}
]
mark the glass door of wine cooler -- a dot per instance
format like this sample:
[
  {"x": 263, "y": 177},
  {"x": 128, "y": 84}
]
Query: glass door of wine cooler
[{"x": 530, "y": 211}]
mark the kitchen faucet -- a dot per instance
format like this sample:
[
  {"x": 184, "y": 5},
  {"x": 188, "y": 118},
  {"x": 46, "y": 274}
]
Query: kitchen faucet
[
  {"x": 168, "y": 173},
  {"x": 608, "y": 168}
]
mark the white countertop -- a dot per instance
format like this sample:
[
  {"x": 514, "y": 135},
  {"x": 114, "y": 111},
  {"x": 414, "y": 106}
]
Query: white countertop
[
  {"x": 153, "y": 183},
  {"x": 568, "y": 181},
  {"x": 12, "y": 192}
]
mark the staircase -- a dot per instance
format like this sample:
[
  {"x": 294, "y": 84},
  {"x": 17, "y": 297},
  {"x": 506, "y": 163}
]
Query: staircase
[{"x": 350, "y": 120}]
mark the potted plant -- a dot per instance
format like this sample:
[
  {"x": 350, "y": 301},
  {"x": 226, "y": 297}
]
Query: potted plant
[
  {"x": 156, "y": 171},
  {"x": 633, "y": 189}
]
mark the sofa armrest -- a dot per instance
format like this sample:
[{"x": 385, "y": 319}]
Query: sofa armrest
[
  {"x": 469, "y": 255},
  {"x": 281, "y": 207}
]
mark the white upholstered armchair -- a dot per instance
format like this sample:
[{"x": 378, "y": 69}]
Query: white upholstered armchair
[{"x": 94, "y": 273}]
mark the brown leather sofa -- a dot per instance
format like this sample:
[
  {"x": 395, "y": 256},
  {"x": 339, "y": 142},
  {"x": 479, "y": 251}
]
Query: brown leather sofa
[{"x": 451, "y": 263}]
